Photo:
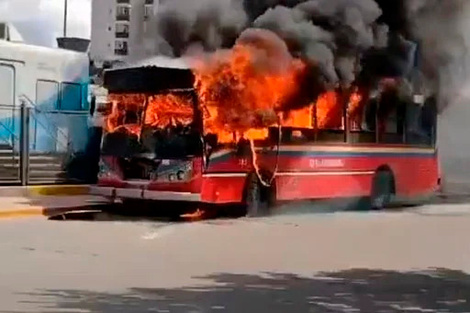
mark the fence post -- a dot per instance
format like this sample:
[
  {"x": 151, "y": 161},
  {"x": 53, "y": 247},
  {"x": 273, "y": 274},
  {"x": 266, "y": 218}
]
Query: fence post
[{"x": 24, "y": 144}]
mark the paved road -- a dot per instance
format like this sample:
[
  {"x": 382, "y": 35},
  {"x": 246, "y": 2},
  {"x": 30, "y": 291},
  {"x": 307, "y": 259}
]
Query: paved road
[{"x": 339, "y": 262}]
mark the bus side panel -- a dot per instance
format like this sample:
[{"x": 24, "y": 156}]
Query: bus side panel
[
  {"x": 415, "y": 177},
  {"x": 223, "y": 189},
  {"x": 224, "y": 178},
  {"x": 299, "y": 187},
  {"x": 314, "y": 174}
]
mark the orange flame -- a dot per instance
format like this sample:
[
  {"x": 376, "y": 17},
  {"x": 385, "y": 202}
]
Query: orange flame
[
  {"x": 301, "y": 118},
  {"x": 242, "y": 97},
  {"x": 168, "y": 109},
  {"x": 128, "y": 111},
  {"x": 355, "y": 110},
  {"x": 195, "y": 216},
  {"x": 238, "y": 99},
  {"x": 125, "y": 113},
  {"x": 329, "y": 111}
]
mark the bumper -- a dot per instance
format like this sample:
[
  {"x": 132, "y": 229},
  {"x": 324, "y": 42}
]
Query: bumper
[{"x": 111, "y": 192}]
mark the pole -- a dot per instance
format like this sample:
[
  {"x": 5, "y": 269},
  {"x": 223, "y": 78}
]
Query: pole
[
  {"x": 24, "y": 145},
  {"x": 65, "y": 17}
]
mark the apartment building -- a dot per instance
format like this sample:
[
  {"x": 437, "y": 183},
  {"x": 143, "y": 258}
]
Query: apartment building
[{"x": 119, "y": 29}]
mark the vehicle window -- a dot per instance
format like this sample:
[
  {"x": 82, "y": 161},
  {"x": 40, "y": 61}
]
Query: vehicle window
[
  {"x": 362, "y": 119},
  {"x": 7, "y": 86},
  {"x": 391, "y": 112},
  {"x": 328, "y": 118},
  {"x": 47, "y": 95},
  {"x": 421, "y": 123},
  {"x": 71, "y": 97}
]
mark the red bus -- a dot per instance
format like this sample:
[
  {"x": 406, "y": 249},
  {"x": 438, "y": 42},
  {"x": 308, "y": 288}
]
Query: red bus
[{"x": 386, "y": 157}]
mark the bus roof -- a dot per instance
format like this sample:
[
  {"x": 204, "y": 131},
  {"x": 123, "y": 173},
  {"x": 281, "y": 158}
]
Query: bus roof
[
  {"x": 19, "y": 51},
  {"x": 148, "y": 79},
  {"x": 160, "y": 61}
]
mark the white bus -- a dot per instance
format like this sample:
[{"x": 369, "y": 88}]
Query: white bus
[{"x": 54, "y": 83}]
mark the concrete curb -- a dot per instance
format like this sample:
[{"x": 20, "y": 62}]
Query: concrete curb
[
  {"x": 18, "y": 213},
  {"x": 44, "y": 190},
  {"x": 37, "y": 211}
]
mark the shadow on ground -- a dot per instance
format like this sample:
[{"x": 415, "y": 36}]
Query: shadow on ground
[
  {"x": 371, "y": 291},
  {"x": 450, "y": 199}
]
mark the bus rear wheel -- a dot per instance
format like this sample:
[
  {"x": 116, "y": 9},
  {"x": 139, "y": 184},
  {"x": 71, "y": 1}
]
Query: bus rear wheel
[
  {"x": 258, "y": 199},
  {"x": 382, "y": 190}
]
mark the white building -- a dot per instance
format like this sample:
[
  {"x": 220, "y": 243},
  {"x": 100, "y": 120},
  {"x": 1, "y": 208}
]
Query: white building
[{"x": 118, "y": 29}]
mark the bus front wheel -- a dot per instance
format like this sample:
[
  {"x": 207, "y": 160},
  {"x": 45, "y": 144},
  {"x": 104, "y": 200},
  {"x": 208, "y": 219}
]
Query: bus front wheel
[
  {"x": 382, "y": 190},
  {"x": 258, "y": 199}
]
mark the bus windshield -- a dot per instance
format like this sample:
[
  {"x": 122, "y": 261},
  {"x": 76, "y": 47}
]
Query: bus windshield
[{"x": 161, "y": 126}]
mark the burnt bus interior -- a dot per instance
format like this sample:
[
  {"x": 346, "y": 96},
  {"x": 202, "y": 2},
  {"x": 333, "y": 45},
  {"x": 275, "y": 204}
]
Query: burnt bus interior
[{"x": 139, "y": 155}]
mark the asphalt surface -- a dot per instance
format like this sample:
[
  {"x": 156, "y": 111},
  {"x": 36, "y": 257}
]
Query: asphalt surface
[{"x": 413, "y": 260}]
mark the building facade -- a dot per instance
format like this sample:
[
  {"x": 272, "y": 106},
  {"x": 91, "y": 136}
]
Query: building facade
[{"x": 119, "y": 29}]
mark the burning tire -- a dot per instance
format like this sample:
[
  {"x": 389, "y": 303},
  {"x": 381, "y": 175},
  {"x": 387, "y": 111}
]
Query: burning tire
[
  {"x": 383, "y": 188},
  {"x": 258, "y": 198}
]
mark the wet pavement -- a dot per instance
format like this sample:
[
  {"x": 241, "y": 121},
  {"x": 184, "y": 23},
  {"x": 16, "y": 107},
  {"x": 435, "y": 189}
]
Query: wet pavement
[{"x": 413, "y": 260}]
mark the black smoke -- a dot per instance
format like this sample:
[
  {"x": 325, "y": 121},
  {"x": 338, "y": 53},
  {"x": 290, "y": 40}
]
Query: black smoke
[
  {"x": 439, "y": 28},
  {"x": 344, "y": 41}
]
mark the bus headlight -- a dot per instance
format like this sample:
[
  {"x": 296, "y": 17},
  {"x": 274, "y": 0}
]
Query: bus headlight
[{"x": 179, "y": 174}]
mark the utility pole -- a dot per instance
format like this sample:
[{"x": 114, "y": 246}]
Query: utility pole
[{"x": 65, "y": 18}]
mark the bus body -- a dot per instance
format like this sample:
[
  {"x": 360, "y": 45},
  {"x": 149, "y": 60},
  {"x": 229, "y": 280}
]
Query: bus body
[
  {"x": 298, "y": 162},
  {"x": 49, "y": 81}
]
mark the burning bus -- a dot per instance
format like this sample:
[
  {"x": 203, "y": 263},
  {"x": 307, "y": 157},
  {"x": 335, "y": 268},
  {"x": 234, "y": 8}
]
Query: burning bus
[{"x": 254, "y": 126}]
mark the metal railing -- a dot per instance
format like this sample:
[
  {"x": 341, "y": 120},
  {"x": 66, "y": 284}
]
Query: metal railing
[
  {"x": 9, "y": 145},
  {"x": 36, "y": 146}
]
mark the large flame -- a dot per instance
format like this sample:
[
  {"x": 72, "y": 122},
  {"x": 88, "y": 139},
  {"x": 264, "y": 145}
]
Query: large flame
[
  {"x": 168, "y": 109},
  {"x": 125, "y": 113},
  {"x": 329, "y": 111},
  {"x": 355, "y": 110},
  {"x": 129, "y": 110},
  {"x": 330, "y": 106},
  {"x": 242, "y": 94},
  {"x": 302, "y": 118}
]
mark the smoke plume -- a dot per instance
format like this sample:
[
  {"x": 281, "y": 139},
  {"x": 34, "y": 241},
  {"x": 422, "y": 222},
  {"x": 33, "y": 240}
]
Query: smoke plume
[
  {"x": 212, "y": 24},
  {"x": 441, "y": 29},
  {"x": 344, "y": 41}
]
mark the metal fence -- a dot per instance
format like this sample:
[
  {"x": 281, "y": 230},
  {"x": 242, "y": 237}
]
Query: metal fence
[{"x": 39, "y": 146}]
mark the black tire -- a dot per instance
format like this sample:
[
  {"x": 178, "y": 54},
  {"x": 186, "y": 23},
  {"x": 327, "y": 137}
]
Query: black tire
[
  {"x": 258, "y": 199},
  {"x": 382, "y": 190}
]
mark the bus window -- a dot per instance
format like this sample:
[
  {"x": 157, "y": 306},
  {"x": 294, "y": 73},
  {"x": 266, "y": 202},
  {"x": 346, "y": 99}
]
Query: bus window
[
  {"x": 391, "y": 114},
  {"x": 362, "y": 127},
  {"x": 421, "y": 123},
  {"x": 328, "y": 114},
  {"x": 71, "y": 97},
  {"x": 429, "y": 120},
  {"x": 47, "y": 95},
  {"x": 7, "y": 85}
]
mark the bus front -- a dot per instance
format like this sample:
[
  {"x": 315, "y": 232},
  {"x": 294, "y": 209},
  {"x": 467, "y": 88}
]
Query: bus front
[{"x": 151, "y": 147}]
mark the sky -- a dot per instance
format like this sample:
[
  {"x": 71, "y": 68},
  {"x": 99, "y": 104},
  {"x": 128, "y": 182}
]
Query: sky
[{"x": 41, "y": 21}]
